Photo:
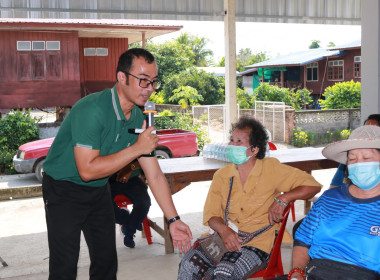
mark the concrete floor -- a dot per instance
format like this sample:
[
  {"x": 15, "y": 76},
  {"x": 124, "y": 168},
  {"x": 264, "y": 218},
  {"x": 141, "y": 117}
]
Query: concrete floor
[{"x": 23, "y": 238}]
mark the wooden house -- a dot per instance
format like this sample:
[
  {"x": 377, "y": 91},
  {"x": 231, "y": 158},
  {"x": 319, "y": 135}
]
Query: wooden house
[
  {"x": 314, "y": 69},
  {"x": 55, "y": 62}
]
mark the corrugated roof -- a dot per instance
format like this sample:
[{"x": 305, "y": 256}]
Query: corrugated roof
[
  {"x": 93, "y": 28},
  {"x": 351, "y": 45},
  {"x": 117, "y": 22},
  {"x": 298, "y": 58}
]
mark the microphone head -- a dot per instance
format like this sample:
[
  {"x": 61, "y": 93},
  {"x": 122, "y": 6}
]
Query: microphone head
[{"x": 150, "y": 106}]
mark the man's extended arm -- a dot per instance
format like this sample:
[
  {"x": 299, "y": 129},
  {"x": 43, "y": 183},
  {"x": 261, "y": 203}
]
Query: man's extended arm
[{"x": 159, "y": 186}]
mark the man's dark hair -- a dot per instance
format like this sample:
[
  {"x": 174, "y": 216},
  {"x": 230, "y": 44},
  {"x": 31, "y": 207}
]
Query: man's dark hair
[
  {"x": 257, "y": 136},
  {"x": 126, "y": 59},
  {"x": 373, "y": 117}
]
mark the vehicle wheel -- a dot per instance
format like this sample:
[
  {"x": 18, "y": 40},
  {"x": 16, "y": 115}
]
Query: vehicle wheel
[
  {"x": 161, "y": 154},
  {"x": 39, "y": 170}
]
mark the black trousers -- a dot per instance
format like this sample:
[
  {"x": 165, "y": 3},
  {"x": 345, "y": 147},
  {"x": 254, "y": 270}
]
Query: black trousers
[
  {"x": 71, "y": 209},
  {"x": 137, "y": 192}
]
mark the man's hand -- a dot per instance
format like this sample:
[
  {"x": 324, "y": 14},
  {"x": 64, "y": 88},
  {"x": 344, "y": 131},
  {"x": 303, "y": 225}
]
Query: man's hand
[
  {"x": 181, "y": 235},
  {"x": 146, "y": 141}
]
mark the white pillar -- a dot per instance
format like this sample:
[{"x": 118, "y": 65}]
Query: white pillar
[
  {"x": 230, "y": 62},
  {"x": 370, "y": 74}
]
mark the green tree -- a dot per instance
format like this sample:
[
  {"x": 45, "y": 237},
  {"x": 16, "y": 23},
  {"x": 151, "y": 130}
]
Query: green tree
[
  {"x": 315, "y": 44},
  {"x": 243, "y": 99},
  {"x": 209, "y": 86},
  {"x": 185, "y": 96},
  {"x": 171, "y": 57},
  {"x": 202, "y": 56},
  {"x": 331, "y": 44},
  {"x": 245, "y": 57},
  {"x": 342, "y": 96}
]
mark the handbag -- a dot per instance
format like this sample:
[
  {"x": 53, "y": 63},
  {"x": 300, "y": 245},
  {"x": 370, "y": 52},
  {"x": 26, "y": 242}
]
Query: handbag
[{"x": 213, "y": 246}]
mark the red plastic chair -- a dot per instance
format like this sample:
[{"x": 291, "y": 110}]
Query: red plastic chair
[
  {"x": 274, "y": 267},
  {"x": 122, "y": 202}
]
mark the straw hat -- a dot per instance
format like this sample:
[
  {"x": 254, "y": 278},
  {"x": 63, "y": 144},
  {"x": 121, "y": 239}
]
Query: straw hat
[{"x": 364, "y": 137}]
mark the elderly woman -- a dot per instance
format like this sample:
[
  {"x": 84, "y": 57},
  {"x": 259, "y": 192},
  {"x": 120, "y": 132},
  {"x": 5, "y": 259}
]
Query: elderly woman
[
  {"x": 260, "y": 190},
  {"x": 340, "y": 236}
]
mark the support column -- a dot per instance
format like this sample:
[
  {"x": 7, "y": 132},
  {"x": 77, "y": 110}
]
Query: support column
[
  {"x": 370, "y": 56},
  {"x": 143, "y": 39},
  {"x": 230, "y": 63}
]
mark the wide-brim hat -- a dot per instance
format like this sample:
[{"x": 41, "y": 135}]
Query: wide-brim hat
[{"x": 364, "y": 137}]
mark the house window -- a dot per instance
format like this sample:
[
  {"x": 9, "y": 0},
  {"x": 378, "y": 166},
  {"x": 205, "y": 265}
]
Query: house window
[
  {"x": 44, "y": 63},
  {"x": 312, "y": 71},
  {"x": 357, "y": 66},
  {"x": 335, "y": 70},
  {"x": 38, "y": 45},
  {"x": 102, "y": 51},
  {"x": 95, "y": 51},
  {"x": 53, "y": 45},
  {"x": 89, "y": 51},
  {"x": 24, "y": 45}
]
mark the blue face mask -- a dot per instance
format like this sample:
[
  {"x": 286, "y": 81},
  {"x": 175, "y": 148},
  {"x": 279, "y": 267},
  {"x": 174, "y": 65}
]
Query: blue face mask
[
  {"x": 237, "y": 154},
  {"x": 365, "y": 175}
]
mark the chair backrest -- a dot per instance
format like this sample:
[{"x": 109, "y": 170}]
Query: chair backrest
[
  {"x": 121, "y": 200},
  {"x": 274, "y": 267}
]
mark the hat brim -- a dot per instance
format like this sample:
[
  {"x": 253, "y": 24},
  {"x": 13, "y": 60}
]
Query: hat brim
[{"x": 337, "y": 151}]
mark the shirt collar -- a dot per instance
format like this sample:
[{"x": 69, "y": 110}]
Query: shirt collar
[{"x": 116, "y": 105}]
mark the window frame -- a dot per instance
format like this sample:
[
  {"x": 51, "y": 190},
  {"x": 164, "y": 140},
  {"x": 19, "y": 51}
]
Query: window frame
[
  {"x": 357, "y": 71},
  {"x": 312, "y": 66},
  {"x": 335, "y": 70}
]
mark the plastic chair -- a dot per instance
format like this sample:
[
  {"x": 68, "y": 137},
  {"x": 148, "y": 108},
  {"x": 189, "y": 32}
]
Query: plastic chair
[
  {"x": 274, "y": 267},
  {"x": 122, "y": 202}
]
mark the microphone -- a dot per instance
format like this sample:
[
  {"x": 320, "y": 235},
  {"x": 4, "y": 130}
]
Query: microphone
[{"x": 149, "y": 111}]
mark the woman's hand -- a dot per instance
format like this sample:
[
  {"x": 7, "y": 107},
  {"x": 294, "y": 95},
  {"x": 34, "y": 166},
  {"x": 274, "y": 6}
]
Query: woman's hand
[
  {"x": 296, "y": 275},
  {"x": 230, "y": 239},
  {"x": 275, "y": 213}
]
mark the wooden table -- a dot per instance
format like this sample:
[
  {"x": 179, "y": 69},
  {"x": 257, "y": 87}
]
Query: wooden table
[{"x": 180, "y": 172}]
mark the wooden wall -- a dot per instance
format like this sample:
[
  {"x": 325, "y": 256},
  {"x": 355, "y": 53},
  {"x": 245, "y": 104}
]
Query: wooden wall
[
  {"x": 38, "y": 78},
  {"x": 99, "y": 72},
  {"x": 318, "y": 87}
]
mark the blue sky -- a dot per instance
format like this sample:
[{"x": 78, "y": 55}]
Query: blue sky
[{"x": 273, "y": 38}]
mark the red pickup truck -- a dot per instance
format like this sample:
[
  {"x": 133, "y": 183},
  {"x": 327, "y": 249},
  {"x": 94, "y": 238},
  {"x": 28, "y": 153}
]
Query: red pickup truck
[{"x": 172, "y": 143}]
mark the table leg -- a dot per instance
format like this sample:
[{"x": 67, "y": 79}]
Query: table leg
[
  {"x": 169, "y": 249},
  {"x": 3, "y": 262}
]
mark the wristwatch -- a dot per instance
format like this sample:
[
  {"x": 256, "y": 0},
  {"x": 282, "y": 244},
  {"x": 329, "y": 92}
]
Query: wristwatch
[{"x": 172, "y": 220}]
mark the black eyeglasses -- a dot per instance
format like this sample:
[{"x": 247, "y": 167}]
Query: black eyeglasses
[{"x": 144, "y": 83}]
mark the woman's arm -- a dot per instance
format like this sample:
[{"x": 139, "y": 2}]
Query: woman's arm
[
  {"x": 300, "y": 260},
  {"x": 230, "y": 238}
]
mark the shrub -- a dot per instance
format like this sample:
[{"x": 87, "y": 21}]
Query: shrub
[
  {"x": 17, "y": 128},
  {"x": 6, "y": 163},
  {"x": 342, "y": 96},
  {"x": 345, "y": 133},
  {"x": 300, "y": 137}
]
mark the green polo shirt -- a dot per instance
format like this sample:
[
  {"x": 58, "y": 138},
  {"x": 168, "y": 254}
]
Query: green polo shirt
[{"x": 95, "y": 122}]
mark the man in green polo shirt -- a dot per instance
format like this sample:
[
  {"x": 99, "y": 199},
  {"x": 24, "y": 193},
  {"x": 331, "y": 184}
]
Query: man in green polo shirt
[{"x": 92, "y": 144}]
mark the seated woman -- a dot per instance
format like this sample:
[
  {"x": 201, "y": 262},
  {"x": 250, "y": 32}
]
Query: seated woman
[
  {"x": 260, "y": 191},
  {"x": 340, "y": 236}
]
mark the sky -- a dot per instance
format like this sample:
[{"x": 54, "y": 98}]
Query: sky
[{"x": 273, "y": 38}]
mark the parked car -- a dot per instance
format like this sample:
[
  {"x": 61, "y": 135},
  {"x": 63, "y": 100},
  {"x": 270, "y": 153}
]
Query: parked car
[{"x": 173, "y": 143}]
